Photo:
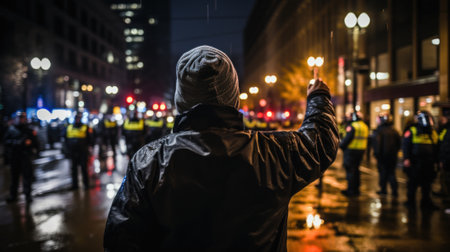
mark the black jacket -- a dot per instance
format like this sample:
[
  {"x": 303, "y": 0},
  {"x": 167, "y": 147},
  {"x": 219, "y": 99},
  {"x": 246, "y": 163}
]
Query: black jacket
[
  {"x": 386, "y": 142},
  {"x": 444, "y": 146},
  {"x": 213, "y": 186}
]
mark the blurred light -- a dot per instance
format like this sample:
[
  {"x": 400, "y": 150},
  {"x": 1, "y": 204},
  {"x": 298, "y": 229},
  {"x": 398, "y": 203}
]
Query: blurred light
[
  {"x": 81, "y": 104},
  {"x": 270, "y": 79},
  {"x": 385, "y": 106},
  {"x": 127, "y": 52},
  {"x": 110, "y": 57},
  {"x": 435, "y": 41},
  {"x": 313, "y": 221},
  {"x": 382, "y": 75},
  {"x": 170, "y": 119},
  {"x": 243, "y": 96},
  {"x": 155, "y": 106},
  {"x": 129, "y": 13},
  {"x": 35, "y": 63},
  {"x": 108, "y": 90},
  {"x": 262, "y": 102},
  {"x": 68, "y": 103},
  {"x": 348, "y": 82},
  {"x": 131, "y": 107},
  {"x": 158, "y": 114},
  {"x": 140, "y": 64},
  {"x": 373, "y": 75},
  {"x": 311, "y": 61},
  {"x": 149, "y": 113},
  {"x": 162, "y": 106},
  {"x": 251, "y": 113},
  {"x": 128, "y": 59},
  {"x": 129, "y": 99},
  {"x": 118, "y": 117},
  {"x": 429, "y": 100},
  {"x": 269, "y": 114},
  {"x": 260, "y": 115},
  {"x": 44, "y": 115},
  {"x": 357, "y": 108},
  {"x": 312, "y": 81},
  {"x": 401, "y": 100},
  {"x": 350, "y": 20},
  {"x": 286, "y": 114},
  {"x": 45, "y": 64},
  {"x": 422, "y": 104},
  {"x": 127, "y": 20},
  {"x": 114, "y": 89},
  {"x": 377, "y": 109},
  {"x": 61, "y": 114},
  {"x": 95, "y": 121},
  {"x": 152, "y": 21},
  {"x": 253, "y": 90},
  {"x": 319, "y": 61},
  {"x": 300, "y": 116},
  {"x": 406, "y": 113},
  {"x": 363, "y": 20},
  {"x": 89, "y": 88},
  {"x": 83, "y": 87}
]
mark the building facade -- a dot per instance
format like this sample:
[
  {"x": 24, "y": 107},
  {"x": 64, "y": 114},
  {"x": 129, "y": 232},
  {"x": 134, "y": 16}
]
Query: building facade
[
  {"x": 83, "y": 43},
  {"x": 398, "y": 63},
  {"x": 147, "y": 47}
]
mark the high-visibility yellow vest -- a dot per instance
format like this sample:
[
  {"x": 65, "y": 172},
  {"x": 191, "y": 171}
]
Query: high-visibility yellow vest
[
  {"x": 249, "y": 124},
  {"x": 110, "y": 124},
  {"x": 442, "y": 135},
  {"x": 169, "y": 125},
  {"x": 261, "y": 124},
  {"x": 154, "y": 124},
  {"x": 423, "y": 138},
  {"x": 359, "y": 141},
  {"x": 134, "y": 125},
  {"x": 74, "y": 132}
]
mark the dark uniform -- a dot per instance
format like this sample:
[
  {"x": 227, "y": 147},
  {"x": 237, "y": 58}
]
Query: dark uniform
[
  {"x": 20, "y": 141},
  {"x": 109, "y": 133},
  {"x": 420, "y": 155},
  {"x": 354, "y": 145},
  {"x": 155, "y": 128},
  {"x": 386, "y": 142},
  {"x": 78, "y": 140},
  {"x": 134, "y": 131}
]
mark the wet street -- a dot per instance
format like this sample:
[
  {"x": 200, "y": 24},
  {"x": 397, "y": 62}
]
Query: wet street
[{"x": 60, "y": 219}]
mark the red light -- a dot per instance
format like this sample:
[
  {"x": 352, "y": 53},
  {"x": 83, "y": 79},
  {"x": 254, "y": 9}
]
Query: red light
[
  {"x": 162, "y": 106},
  {"x": 286, "y": 114},
  {"x": 260, "y": 115},
  {"x": 130, "y": 99},
  {"x": 269, "y": 114},
  {"x": 262, "y": 102},
  {"x": 155, "y": 106},
  {"x": 245, "y": 108}
]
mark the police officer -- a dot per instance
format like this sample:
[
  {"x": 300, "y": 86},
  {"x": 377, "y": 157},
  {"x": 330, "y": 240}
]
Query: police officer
[
  {"x": 78, "y": 140},
  {"x": 354, "y": 145},
  {"x": 420, "y": 155},
  {"x": 444, "y": 152},
  {"x": 134, "y": 130},
  {"x": 386, "y": 142},
  {"x": 20, "y": 142},
  {"x": 109, "y": 133},
  {"x": 155, "y": 128}
]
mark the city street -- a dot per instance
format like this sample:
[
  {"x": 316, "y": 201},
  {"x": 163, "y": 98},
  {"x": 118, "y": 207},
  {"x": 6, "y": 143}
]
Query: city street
[{"x": 60, "y": 219}]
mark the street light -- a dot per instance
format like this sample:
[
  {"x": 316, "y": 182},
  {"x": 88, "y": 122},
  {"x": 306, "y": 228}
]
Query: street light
[
  {"x": 356, "y": 26},
  {"x": 315, "y": 63},
  {"x": 270, "y": 79},
  {"x": 40, "y": 65},
  {"x": 253, "y": 90},
  {"x": 243, "y": 96}
]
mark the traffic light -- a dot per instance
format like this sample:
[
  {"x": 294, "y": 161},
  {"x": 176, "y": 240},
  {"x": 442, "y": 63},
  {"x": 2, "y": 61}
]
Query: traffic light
[
  {"x": 269, "y": 114},
  {"x": 155, "y": 106},
  {"x": 286, "y": 114},
  {"x": 129, "y": 99},
  {"x": 162, "y": 106}
]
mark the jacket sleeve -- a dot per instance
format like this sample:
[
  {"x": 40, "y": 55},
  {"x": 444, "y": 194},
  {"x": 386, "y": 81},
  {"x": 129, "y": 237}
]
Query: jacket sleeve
[
  {"x": 129, "y": 221},
  {"x": 407, "y": 144},
  {"x": 316, "y": 142},
  {"x": 350, "y": 134}
]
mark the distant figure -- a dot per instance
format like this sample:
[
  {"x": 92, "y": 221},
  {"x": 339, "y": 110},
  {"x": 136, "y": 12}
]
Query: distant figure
[
  {"x": 109, "y": 135},
  {"x": 20, "y": 142},
  {"x": 134, "y": 130},
  {"x": 211, "y": 185},
  {"x": 444, "y": 152},
  {"x": 354, "y": 145},
  {"x": 420, "y": 150},
  {"x": 386, "y": 143},
  {"x": 78, "y": 140}
]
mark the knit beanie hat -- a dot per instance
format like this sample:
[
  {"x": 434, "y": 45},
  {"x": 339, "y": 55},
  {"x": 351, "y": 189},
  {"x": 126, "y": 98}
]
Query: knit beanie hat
[{"x": 206, "y": 75}]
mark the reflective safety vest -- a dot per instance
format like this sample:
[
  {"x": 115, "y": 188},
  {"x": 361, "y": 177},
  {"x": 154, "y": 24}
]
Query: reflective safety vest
[
  {"x": 154, "y": 124},
  {"x": 169, "y": 125},
  {"x": 249, "y": 124},
  {"x": 134, "y": 125},
  {"x": 442, "y": 135},
  {"x": 74, "y": 132},
  {"x": 110, "y": 124},
  {"x": 424, "y": 138},
  {"x": 261, "y": 124},
  {"x": 359, "y": 141}
]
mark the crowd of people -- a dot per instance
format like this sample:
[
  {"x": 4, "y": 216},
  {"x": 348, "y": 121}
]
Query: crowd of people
[{"x": 425, "y": 151}]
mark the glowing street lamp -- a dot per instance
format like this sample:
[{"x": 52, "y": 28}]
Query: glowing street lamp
[
  {"x": 253, "y": 90},
  {"x": 315, "y": 63},
  {"x": 243, "y": 96},
  {"x": 270, "y": 79}
]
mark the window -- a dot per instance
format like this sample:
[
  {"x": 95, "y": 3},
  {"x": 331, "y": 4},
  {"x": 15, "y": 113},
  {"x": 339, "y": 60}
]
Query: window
[
  {"x": 430, "y": 53},
  {"x": 404, "y": 63}
]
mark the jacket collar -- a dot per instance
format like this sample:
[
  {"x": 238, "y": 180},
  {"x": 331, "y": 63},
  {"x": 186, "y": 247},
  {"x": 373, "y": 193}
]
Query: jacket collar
[{"x": 204, "y": 116}]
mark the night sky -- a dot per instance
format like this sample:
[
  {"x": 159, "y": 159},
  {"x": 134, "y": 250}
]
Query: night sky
[{"x": 223, "y": 29}]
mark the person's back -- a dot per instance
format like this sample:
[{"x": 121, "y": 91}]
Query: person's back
[{"x": 211, "y": 185}]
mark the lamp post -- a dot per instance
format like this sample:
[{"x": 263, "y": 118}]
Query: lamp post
[
  {"x": 315, "y": 63},
  {"x": 356, "y": 26},
  {"x": 40, "y": 66}
]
